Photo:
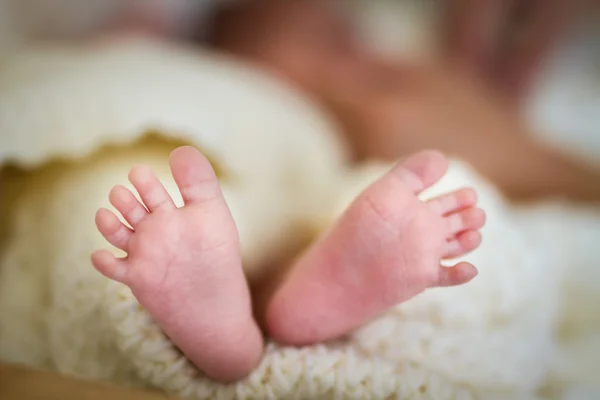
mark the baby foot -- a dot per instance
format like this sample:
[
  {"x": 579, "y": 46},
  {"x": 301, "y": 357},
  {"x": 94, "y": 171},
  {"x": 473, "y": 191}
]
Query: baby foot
[
  {"x": 384, "y": 250},
  {"x": 184, "y": 264}
]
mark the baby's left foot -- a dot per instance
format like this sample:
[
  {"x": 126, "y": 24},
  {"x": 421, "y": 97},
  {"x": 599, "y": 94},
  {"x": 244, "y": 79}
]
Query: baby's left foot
[{"x": 384, "y": 250}]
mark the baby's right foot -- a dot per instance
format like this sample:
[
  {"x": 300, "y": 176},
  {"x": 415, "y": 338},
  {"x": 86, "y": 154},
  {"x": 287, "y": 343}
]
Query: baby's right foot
[
  {"x": 184, "y": 265},
  {"x": 384, "y": 250}
]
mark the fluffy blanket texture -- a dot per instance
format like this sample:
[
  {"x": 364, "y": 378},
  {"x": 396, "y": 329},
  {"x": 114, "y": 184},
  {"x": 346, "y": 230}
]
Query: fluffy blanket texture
[{"x": 281, "y": 166}]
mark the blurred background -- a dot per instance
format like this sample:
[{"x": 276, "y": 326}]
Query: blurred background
[
  {"x": 537, "y": 61},
  {"x": 511, "y": 87}
]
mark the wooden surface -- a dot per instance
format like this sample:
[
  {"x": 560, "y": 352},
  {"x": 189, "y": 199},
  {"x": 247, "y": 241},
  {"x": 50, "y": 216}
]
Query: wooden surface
[{"x": 18, "y": 383}]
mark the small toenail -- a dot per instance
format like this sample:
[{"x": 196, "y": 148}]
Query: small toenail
[{"x": 141, "y": 173}]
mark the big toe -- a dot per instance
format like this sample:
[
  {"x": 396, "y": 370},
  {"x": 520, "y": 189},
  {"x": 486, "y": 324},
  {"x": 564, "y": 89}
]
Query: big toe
[
  {"x": 422, "y": 169},
  {"x": 189, "y": 158},
  {"x": 193, "y": 175}
]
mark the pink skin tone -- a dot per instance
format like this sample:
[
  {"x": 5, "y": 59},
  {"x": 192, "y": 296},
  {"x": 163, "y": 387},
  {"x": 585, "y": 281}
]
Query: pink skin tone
[{"x": 184, "y": 264}]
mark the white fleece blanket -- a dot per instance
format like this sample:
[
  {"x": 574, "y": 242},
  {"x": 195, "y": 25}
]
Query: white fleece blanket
[{"x": 497, "y": 337}]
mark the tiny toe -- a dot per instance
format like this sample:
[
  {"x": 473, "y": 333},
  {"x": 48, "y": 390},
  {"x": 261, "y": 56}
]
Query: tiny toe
[
  {"x": 462, "y": 244},
  {"x": 459, "y": 274},
  {"x": 109, "y": 265},
  {"x": 421, "y": 170},
  {"x": 194, "y": 175},
  {"x": 453, "y": 202},
  {"x": 113, "y": 230},
  {"x": 469, "y": 219},
  {"x": 151, "y": 190},
  {"x": 128, "y": 205}
]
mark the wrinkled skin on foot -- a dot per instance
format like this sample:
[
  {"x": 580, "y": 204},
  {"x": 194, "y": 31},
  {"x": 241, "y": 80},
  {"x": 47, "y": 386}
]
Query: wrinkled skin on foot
[
  {"x": 184, "y": 264},
  {"x": 384, "y": 250}
]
